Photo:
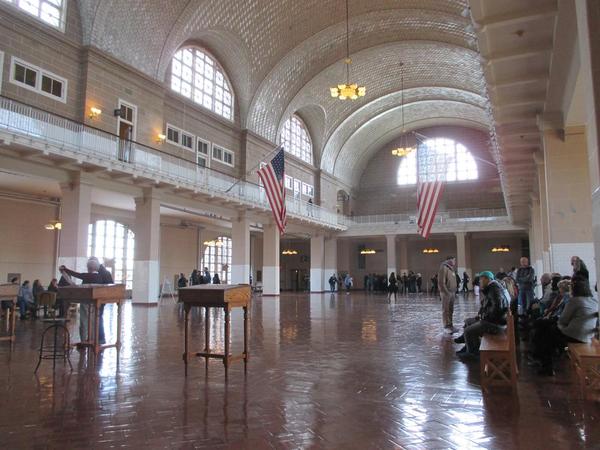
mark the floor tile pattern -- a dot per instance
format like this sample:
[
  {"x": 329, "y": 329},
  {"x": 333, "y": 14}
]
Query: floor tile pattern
[{"x": 326, "y": 371}]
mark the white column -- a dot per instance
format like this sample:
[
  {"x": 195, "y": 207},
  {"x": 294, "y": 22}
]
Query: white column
[
  {"x": 391, "y": 253},
  {"x": 271, "y": 259},
  {"x": 403, "y": 247},
  {"x": 317, "y": 263},
  {"x": 240, "y": 252},
  {"x": 331, "y": 254},
  {"x": 463, "y": 254},
  {"x": 76, "y": 206},
  {"x": 146, "y": 263}
]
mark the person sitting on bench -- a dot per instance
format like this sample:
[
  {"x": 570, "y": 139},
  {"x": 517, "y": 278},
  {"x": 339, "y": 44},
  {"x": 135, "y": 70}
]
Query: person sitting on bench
[{"x": 491, "y": 318}]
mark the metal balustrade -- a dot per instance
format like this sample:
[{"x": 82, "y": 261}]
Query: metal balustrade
[
  {"x": 65, "y": 137},
  {"x": 442, "y": 217}
]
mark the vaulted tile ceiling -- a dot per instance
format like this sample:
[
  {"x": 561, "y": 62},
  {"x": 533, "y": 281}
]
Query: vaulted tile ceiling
[{"x": 283, "y": 55}]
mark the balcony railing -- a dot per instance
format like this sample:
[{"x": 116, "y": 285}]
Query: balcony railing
[
  {"x": 442, "y": 217},
  {"x": 51, "y": 133}
]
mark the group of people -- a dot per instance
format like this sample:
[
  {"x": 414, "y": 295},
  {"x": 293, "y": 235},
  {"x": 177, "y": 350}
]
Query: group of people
[
  {"x": 566, "y": 312},
  {"x": 198, "y": 277},
  {"x": 341, "y": 281},
  {"x": 29, "y": 295}
]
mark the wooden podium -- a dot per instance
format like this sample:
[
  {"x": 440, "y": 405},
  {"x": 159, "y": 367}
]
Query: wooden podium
[
  {"x": 216, "y": 296},
  {"x": 96, "y": 295},
  {"x": 9, "y": 292}
]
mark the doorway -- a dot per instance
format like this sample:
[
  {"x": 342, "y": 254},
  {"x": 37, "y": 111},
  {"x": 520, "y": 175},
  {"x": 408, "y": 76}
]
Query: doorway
[{"x": 126, "y": 128}]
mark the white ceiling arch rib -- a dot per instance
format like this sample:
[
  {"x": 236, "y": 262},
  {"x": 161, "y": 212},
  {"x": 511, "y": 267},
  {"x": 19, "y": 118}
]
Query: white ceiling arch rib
[
  {"x": 317, "y": 53},
  {"x": 359, "y": 117},
  {"x": 361, "y": 146}
]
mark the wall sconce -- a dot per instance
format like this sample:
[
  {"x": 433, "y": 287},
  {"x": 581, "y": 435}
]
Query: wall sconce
[
  {"x": 213, "y": 243},
  {"x": 54, "y": 225},
  {"x": 429, "y": 251},
  {"x": 160, "y": 138},
  {"x": 501, "y": 249},
  {"x": 95, "y": 112},
  {"x": 289, "y": 252}
]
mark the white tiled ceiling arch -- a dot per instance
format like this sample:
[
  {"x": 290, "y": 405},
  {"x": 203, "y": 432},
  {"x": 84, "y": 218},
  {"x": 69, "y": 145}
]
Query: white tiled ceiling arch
[
  {"x": 283, "y": 55},
  {"x": 356, "y": 152}
]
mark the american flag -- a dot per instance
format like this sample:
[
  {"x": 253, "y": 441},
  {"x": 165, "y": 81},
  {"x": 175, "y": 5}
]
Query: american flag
[
  {"x": 431, "y": 168},
  {"x": 272, "y": 179}
]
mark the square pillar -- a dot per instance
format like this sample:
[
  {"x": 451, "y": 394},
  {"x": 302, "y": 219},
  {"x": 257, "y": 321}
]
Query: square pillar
[
  {"x": 391, "y": 253},
  {"x": 271, "y": 254},
  {"x": 569, "y": 200},
  {"x": 146, "y": 265},
  {"x": 463, "y": 254},
  {"x": 317, "y": 263},
  {"x": 76, "y": 204},
  {"x": 403, "y": 251},
  {"x": 240, "y": 251},
  {"x": 331, "y": 253}
]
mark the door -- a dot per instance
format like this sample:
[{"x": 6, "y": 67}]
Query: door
[{"x": 126, "y": 123}]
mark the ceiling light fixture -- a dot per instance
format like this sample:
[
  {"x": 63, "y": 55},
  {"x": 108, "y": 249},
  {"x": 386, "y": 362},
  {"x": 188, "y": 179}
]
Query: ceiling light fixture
[
  {"x": 368, "y": 251},
  {"x": 405, "y": 149},
  {"x": 214, "y": 243},
  {"x": 429, "y": 251},
  {"x": 95, "y": 112},
  {"x": 501, "y": 249},
  {"x": 348, "y": 91},
  {"x": 289, "y": 252}
]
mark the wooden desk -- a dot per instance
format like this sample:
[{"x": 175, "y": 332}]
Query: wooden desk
[
  {"x": 96, "y": 295},
  {"x": 9, "y": 292},
  {"x": 216, "y": 296},
  {"x": 586, "y": 360}
]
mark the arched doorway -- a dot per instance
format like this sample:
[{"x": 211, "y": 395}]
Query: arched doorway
[{"x": 113, "y": 243}]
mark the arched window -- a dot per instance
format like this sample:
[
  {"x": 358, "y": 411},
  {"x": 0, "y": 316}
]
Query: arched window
[
  {"x": 114, "y": 243},
  {"x": 51, "y": 12},
  {"x": 296, "y": 140},
  {"x": 441, "y": 158},
  {"x": 196, "y": 75},
  {"x": 217, "y": 258}
]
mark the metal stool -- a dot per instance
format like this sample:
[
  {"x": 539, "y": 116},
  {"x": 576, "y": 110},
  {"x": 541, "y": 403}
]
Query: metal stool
[{"x": 60, "y": 346}]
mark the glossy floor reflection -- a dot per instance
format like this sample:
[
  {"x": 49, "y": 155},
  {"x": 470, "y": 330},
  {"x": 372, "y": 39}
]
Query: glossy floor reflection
[{"x": 347, "y": 372}]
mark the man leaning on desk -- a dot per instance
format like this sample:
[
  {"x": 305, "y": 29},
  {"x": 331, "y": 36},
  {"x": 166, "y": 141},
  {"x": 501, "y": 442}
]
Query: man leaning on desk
[{"x": 96, "y": 274}]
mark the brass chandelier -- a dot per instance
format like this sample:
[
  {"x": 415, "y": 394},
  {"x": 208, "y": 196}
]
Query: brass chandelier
[
  {"x": 348, "y": 91},
  {"x": 405, "y": 149}
]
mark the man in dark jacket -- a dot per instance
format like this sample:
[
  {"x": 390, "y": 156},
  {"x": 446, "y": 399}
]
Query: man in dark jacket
[
  {"x": 491, "y": 318},
  {"x": 526, "y": 283}
]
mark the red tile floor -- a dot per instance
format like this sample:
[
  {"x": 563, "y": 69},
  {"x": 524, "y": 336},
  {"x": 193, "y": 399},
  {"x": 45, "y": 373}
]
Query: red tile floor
[{"x": 342, "y": 372}]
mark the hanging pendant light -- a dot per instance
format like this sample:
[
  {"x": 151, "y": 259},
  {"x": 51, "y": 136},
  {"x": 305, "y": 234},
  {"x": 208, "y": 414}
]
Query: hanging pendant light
[
  {"x": 348, "y": 91},
  {"x": 404, "y": 149}
]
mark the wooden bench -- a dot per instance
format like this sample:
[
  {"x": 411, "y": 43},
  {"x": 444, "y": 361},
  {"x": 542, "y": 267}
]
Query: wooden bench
[
  {"x": 498, "y": 358},
  {"x": 586, "y": 361}
]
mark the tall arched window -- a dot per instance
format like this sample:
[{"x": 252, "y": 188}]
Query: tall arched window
[
  {"x": 114, "y": 243},
  {"x": 196, "y": 75},
  {"x": 449, "y": 159},
  {"x": 296, "y": 140},
  {"x": 217, "y": 258}
]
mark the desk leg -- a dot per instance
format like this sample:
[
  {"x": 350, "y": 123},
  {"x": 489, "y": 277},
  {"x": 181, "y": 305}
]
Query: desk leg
[
  {"x": 227, "y": 338},
  {"x": 12, "y": 325},
  {"x": 186, "y": 323},
  {"x": 96, "y": 329},
  {"x": 206, "y": 334},
  {"x": 245, "y": 338},
  {"x": 118, "y": 343}
]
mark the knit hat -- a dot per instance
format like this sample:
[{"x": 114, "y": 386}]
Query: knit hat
[{"x": 486, "y": 273}]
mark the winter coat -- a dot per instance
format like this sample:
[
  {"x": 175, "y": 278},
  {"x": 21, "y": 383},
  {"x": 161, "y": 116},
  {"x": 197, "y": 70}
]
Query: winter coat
[
  {"x": 525, "y": 277},
  {"x": 447, "y": 279},
  {"x": 495, "y": 303}
]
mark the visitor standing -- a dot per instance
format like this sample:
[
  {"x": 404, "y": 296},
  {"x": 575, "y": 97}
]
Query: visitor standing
[
  {"x": 447, "y": 287},
  {"x": 525, "y": 282}
]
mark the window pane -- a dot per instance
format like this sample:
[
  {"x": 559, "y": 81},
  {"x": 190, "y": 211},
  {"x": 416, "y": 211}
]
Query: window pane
[
  {"x": 296, "y": 140},
  {"x": 192, "y": 67}
]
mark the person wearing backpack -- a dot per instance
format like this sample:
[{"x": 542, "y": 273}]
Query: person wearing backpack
[{"x": 491, "y": 318}]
